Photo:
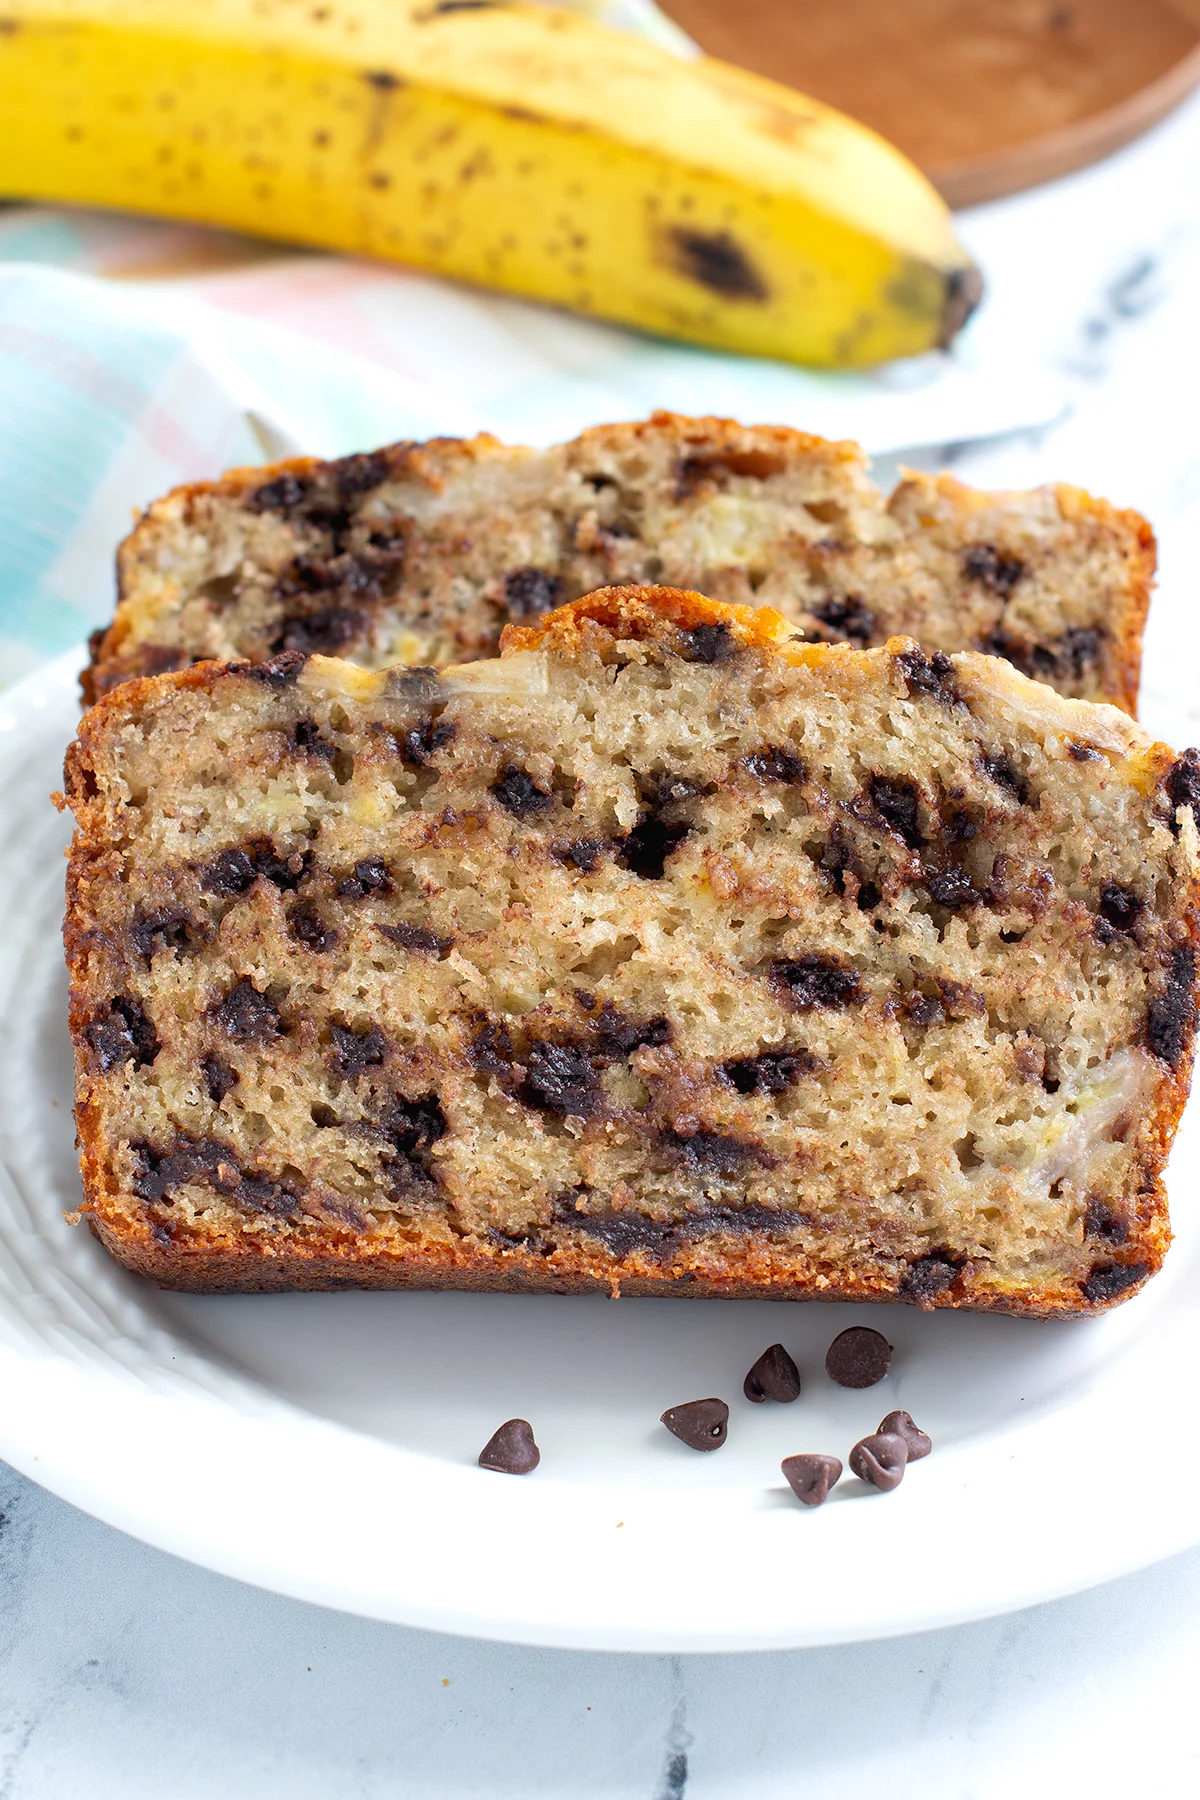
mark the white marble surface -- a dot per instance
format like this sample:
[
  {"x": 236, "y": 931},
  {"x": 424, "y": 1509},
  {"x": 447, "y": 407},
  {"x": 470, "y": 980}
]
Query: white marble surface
[{"x": 125, "y": 1675}]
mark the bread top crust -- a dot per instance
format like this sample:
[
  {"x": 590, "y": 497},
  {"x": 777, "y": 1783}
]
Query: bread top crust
[{"x": 421, "y": 553}]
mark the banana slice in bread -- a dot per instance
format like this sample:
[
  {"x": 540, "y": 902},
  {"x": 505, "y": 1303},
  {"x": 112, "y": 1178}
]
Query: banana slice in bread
[
  {"x": 422, "y": 553},
  {"x": 664, "y": 954}
]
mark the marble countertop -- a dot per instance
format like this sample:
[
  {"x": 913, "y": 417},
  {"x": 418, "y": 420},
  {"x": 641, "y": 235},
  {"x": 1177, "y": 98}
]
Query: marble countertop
[{"x": 127, "y": 1675}]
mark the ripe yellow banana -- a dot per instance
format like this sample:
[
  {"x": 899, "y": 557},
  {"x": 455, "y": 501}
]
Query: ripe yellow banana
[{"x": 524, "y": 147}]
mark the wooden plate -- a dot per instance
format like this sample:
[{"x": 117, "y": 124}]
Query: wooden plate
[{"x": 987, "y": 96}]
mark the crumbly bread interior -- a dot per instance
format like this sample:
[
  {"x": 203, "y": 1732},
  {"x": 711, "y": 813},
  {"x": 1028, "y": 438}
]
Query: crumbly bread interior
[
  {"x": 423, "y": 553},
  {"x": 664, "y": 953}
]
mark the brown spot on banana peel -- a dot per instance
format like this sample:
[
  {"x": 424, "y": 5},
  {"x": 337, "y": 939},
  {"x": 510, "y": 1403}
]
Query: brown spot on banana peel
[
  {"x": 442, "y": 7},
  {"x": 715, "y": 260}
]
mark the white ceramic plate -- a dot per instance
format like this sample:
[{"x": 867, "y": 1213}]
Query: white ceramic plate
[{"x": 324, "y": 1444}]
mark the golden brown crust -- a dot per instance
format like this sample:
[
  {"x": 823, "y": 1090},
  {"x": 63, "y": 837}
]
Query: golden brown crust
[{"x": 235, "y": 1269}]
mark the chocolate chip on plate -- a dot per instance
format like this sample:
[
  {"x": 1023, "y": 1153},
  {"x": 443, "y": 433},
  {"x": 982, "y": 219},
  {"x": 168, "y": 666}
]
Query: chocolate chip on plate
[
  {"x": 858, "y": 1358},
  {"x": 880, "y": 1459},
  {"x": 811, "y": 1476},
  {"x": 901, "y": 1424},
  {"x": 700, "y": 1424},
  {"x": 773, "y": 1377},
  {"x": 511, "y": 1451}
]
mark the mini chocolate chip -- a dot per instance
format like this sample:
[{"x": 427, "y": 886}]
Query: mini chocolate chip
[
  {"x": 126, "y": 1034},
  {"x": 897, "y": 804},
  {"x": 771, "y": 1073},
  {"x": 774, "y": 764},
  {"x": 530, "y": 592},
  {"x": 518, "y": 793},
  {"x": 918, "y": 1443},
  {"x": 581, "y": 853},
  {"x": 370, "y": 877},
  {"x": 491, "y": 1049},
  {"x": 426, "y": 739},
  {"x": 773, "y": 1377},
  {"x": 858, "y": 1358},
  {"x": 846, "y": 615},
  {"x": 371, "y": 874},
  {"x": 413, "y": 1124},
  {"x": 1171, "y": 1015},
  {"x": 664, "y": 787},
  {"x": 1089, "y": 753},
  {"x": 354, "y": 1052},
  {"x": 880, "y": 1460},
  {"x": 931, "y": 675},
  {"x": 321, "y": 633},
  {"x": 280, "y": 672},
  {"x": 353, "y": 475},
  {"x": 189, "y": 1159},
  {"x": 618, "y": 1035},
  {"x": 149, "y": 933},
  {"x": 511, "y": 1450},
  {"x": 261, "y": 1194},
  {"x": 246, "y": 1015},
  {"x": 950, "y": 888},
  {"x": 1079, "y": 647},
  {"x": 231, "y": 872},
  {"x": 1107, "y": 1280},
  {"x": 415, "y": 937},
  {"x": 707, "y": 644},
  {"x": 645, "y": 851},
  {"x": 281, "y": 871},
  {"x": 560, "y": 1079},
  {"x": 700, "y": 1424},
  {"x": 281, "y": 494},
  {"x": 810, "y": 1476},
  {"x": 219, "y": 1078},
  {"x": 411, "y": 1128},
  {"x": 207, "y": 1160},
  {"x": 994, "y": 569},
  {"x": 927, "y": 1276},
  {"x": 1101, "y": 1222},
  {"x": 813, "y": 980},
  {"x": 307, "y": 741},
  {"x": 1183, "y": 782},
  {"x": 923, "y": 1010},
  {"x": 621, "y": 1232},
  {"x": 834, "y": 860},
  {"x": 712, "y": 1152},
  {"x": 306, "y": 924},
  {"x": 1005, "y": 775},
  {"x": 1119, "y": 906},
  {"x": 1001, "y": 643}
]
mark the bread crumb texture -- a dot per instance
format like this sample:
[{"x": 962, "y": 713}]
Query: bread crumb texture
[
  {"x": 422, "y": 553},
  {"x": 664, "y": 954}
]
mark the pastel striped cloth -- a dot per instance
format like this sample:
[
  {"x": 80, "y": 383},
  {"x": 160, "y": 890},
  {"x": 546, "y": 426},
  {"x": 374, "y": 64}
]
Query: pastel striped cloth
[{"x": 136, "y": 354}]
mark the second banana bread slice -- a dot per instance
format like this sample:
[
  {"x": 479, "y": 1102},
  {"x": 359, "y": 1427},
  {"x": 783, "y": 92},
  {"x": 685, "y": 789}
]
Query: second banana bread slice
[{"x": 422, "y": 553}]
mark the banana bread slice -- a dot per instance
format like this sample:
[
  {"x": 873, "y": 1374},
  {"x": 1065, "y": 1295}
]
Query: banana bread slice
[
  {"x": 665, "y": 953},
  {"x": 423, "y": 552}
]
